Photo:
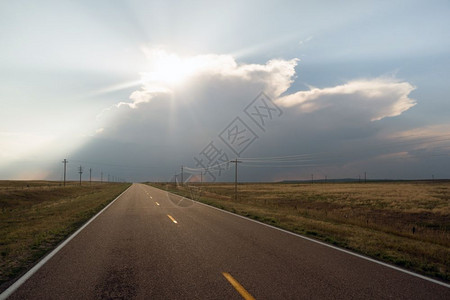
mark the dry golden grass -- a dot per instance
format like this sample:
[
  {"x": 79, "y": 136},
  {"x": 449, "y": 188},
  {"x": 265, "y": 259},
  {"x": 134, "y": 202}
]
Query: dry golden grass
[
  {"x": 375, "y": 219},
  {"x": 36, "y": 218}
]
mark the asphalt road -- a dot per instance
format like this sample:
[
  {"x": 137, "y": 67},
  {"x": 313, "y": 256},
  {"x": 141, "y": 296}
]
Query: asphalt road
[{"x": 153, "y": 245}]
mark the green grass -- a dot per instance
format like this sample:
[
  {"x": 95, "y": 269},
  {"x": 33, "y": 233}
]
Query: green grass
[
  {"x": 37, "y": 216},
  {"x": 374, "y": 219}
]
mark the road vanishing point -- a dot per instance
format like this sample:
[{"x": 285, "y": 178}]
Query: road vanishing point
[{"x": 150, "y": 244}]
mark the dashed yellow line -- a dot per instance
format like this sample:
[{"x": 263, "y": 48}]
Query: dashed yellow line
[
  {"x": 241, "y": 290},
  {"x": 157, "y": 203},
  {"x": 173, "y": 220}
]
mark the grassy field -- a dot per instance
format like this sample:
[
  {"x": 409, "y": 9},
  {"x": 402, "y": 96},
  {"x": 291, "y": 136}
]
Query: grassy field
[
  {"x": 37, "y": 215},
  {"x": 403, "y": 223}
]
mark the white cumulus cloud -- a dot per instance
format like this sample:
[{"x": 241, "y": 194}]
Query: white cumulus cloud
[
  {"x": 375, "y": 98},
  {"x": 168, "y": 72}
]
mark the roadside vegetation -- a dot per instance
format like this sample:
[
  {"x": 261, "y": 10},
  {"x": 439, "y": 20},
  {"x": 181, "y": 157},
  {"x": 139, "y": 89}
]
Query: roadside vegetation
[
  {"x": 36, "y": 216},
  {"x": 402, "y": 223}
]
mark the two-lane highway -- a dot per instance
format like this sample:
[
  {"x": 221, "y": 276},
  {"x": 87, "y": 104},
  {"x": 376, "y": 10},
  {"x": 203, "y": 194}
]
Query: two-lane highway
[{"x": 153, "y": 245}]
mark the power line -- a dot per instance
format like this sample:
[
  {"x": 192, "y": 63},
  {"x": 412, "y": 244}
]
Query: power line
[
  {"x": 212, "y": 167},
  {"x": 246, "y": 165},
  {"x": 330, "y": 155},
  {"x": 112, "y": 165}
]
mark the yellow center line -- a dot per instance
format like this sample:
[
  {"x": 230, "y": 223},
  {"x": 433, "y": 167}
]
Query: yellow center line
[
  {"x": 157, "y": 203},
  {"x": 246, "y": 295},
  {"x": 173, "y": 220}
]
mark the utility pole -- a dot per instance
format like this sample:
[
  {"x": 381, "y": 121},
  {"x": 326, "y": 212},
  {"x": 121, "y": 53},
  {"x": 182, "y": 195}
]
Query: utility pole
[
  {"x": 235, "y": 177},
  {"x": 201, "y": 177},
  {"x": 80, "y": 170},
  {"x": 90, "y": 176},
  {"x": 101, "y": 177},
  {"x": 65, "y": 163},
  {"x": 365, "y": 177},
  {"x": 181, "y": 175}
]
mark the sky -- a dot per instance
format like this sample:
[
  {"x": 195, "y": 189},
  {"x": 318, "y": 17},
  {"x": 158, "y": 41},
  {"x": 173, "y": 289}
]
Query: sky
[{"x": 293, "y": 90}]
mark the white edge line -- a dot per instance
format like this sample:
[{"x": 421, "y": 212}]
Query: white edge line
[
  {"x": 330, "y": 246},
  {"x": 36, "y": 267}
]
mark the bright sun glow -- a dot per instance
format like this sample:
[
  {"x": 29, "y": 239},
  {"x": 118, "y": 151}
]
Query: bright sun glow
[{"x": 168, "y": 68}]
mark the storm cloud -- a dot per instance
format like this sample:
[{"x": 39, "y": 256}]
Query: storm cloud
[{"x": 171, "y": 121}]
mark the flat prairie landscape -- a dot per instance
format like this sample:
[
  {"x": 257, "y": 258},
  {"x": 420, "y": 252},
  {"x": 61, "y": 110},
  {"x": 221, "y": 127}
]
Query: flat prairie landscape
[
  {"x": 35, "y": 216},
  {"x": 402, "y": 223}
]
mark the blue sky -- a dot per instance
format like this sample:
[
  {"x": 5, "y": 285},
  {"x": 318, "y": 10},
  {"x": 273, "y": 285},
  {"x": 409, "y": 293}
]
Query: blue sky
[{"x": 136, "y": 89}]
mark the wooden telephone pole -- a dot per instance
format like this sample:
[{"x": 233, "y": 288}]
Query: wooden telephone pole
[
  {"x": 65, "y": 161},
  {"x": 235, "y": 177},
  {"x": 80, "y": 171}
]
